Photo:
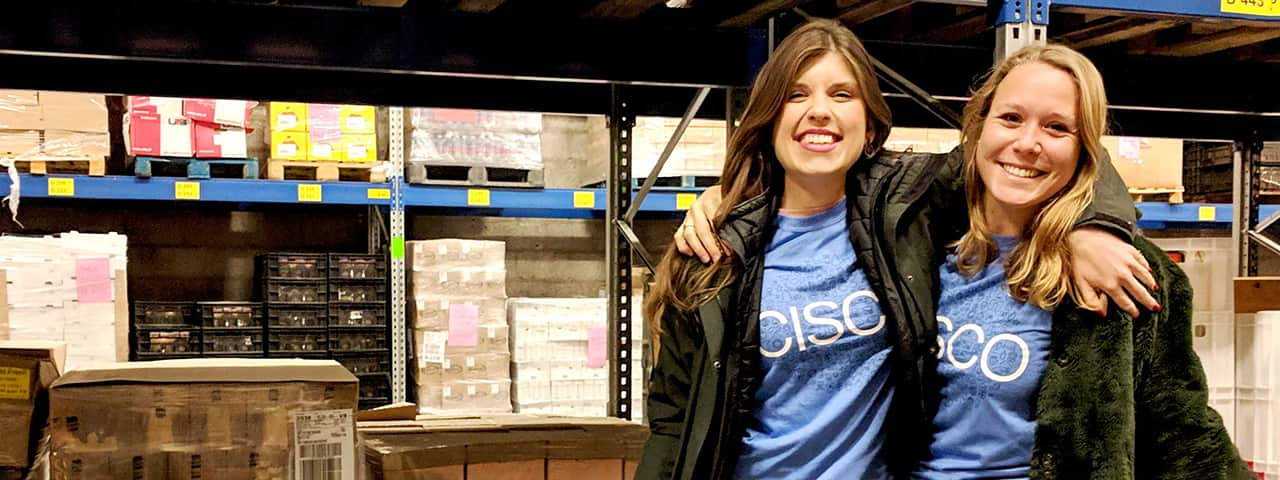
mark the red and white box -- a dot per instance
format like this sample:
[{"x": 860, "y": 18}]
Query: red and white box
[
  {"x": 224, "y": 112},
  {"x": 164, "y": 106},
  {"x": 219, "y": 141},
  {"x": 153, "y": 134}
]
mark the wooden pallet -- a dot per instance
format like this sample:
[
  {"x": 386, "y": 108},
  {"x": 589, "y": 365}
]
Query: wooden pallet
[
  {"x": 1174, "y": 195},
  {"x": 96, "y": 167},
  {"x": 371, "y": 172},
  {"x": 147, "y": 167},
  {"x": 428, "y": 173}
]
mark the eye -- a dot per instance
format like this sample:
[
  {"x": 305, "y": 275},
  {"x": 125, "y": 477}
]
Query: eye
[
  {"x": 1009, "y": 117},
  {"x": 843, "y": 94},
  {"x": 1060, "y": 128},
  {"x": 796, "y": 95}
]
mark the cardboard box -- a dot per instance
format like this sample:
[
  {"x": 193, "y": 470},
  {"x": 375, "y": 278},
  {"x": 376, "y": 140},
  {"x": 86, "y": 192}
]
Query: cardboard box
[
  {"x": 19, "y": 143},
  {"x": 223, "y": 112},
  {"x": 18, "y": 98},
  {"x": 80, "y": 112},
  {"x": 168, "y": 107},
  {"x": 151, "y": 134},
  {"x": 27, "y": 369},
  {"x": 1146, "y": 162},
  {"x": 358, "y": 119},
  {"x": 262, "y": 415},
  {"x": 325, "y": 144},
  {"x": 63, "y": 143},
  {"x": 219, "y": 141},
  {"x": 359, "y": 147},
  {"x": 21, "y": 117},
  {"x": 289, "y": 145},
  {"x": 288, "y": 117}
]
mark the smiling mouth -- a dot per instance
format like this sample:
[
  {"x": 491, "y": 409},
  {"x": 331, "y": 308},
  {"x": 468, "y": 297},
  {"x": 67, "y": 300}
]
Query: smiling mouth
[
  {"x": 818, "y": 139},
  {"x": 1021, "y": 172}
]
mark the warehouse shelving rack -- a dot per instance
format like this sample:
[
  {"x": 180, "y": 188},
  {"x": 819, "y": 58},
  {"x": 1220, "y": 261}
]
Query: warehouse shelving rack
[{"x": 425, "y": 55}]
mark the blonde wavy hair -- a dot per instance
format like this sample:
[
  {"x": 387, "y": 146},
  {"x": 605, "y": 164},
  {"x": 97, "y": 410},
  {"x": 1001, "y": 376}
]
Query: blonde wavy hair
[{"x": 1038, "y": 270}]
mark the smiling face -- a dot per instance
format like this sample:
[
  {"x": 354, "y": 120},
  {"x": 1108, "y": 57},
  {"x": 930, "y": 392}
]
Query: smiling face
[
  {"x": 1028, "y": 150},
  {"x": 822, "y": 128}
]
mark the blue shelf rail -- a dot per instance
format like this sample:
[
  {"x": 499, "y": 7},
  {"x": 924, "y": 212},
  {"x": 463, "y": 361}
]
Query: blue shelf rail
[
  {"x": 1267, "y": 10},
  {"x": 552, "y": 203}
]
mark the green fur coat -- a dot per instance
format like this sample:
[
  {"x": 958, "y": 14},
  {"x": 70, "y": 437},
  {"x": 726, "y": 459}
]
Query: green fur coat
[{"x": 1126, "y": 397}]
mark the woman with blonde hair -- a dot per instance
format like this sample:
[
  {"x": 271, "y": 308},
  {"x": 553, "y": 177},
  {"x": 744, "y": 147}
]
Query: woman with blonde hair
[
  {"x": 802, "y": 354},
  {"x": 1031, "y": 385}
]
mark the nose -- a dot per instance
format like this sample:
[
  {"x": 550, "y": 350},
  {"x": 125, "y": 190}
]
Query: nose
[
  {"x": 819, "y": 110},
  {"x": 1028, "y": 141}
]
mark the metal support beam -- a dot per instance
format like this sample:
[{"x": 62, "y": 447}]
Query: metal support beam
[
  {"x": 399, "y": 329},
  {"x": 1019, "y": 24},
  {"x": 1217, "y": 42},
  {"x": 694, "y": 105},
  {"x": 1115, "y": 30},
  {"x": 929, "y": 102},
  {"x": 617, "y": 254},
  {"x": 1249, "y": 154}
]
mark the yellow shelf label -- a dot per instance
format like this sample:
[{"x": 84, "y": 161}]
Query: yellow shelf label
[
  {"x": 15, "y": 383},
  {"x": 186, "y": 190},
  {"x": 584, "y": 199},
  {"x": 1208, "y": 214},
  {"x": 379, "y": 194},
  {"x": 685, "y": 200},
  {"x": 1264, "y": 8},
  {"x": 62, "y": 187},
  {"x": 310, "y": 193},
  {"x": 477, "y": 197}
]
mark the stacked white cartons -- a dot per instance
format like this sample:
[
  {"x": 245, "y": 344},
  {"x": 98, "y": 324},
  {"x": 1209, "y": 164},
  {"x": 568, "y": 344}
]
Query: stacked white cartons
[
  {"x": 639, "y": 376},
  {"x": 561, "y": 360},
  {"x": 63, "y": 289},
  {"x": 1257, "y": 380},
  {"x": 445, "y": 136},
  {"x": 1207, "y": 263},
  {"x": 460, "y": 324}
]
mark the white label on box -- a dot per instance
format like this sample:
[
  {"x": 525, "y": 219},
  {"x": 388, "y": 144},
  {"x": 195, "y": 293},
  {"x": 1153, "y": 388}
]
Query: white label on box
[
  {"x": 444, "y": 277},
  {"x": 447, "y": 364},
  {"x": 444, "y": 249},
  {"x": 324, "y": 445},
  {"x": 432, "y": 348},
  {"x": 466, "y": 276},
  {"x": 1130, "y": 148},
  {"x": 322, "y": 150},
  {"x": 286, "y": 121},
  {"x": 471, "y": 362},
  {"x": 494, "y": 389},
  {"x": 233, "y": 143},
  {"x": 358, "y": 152},
  {"x": 471, "y": 390},
  {"x": 448, "y": 392},
  {"x": 288, "y": 150},
  {"x": 444, "y": 305},
  {"x": 356, "y": 122}
]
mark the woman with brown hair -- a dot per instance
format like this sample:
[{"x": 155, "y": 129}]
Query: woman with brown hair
[{"x": 801, "y": 355}]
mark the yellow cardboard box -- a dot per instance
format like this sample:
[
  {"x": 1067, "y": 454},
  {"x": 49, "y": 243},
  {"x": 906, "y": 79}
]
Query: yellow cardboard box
[
  {"x": 325, "y": 145},
  {"x": 289, "y": 145},
  {"x": 288, "y": 117},
  {"x": 357, "y": 119},
  {"x": 360, "y": 147}
]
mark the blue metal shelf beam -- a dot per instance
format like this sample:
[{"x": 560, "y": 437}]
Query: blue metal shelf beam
[
  {"x": 556, "y": 203},
  {"x": 1186, "y": 8}
]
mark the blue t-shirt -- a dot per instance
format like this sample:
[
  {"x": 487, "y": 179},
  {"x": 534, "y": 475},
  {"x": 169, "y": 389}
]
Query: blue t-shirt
[
  {"x": 825, "y": 391},
  {"x": 994, "y": 350}
]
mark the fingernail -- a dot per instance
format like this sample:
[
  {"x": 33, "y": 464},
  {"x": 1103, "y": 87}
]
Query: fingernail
[
  {"x": 1157, "y": 308},
  {"x": 1156, "y": 287},
  {"x": 1149, "y": 270}
]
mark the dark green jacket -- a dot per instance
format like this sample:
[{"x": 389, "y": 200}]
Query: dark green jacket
[
  {"x": 903, "y": 210},
  {"x": 1126, "y": 397}
]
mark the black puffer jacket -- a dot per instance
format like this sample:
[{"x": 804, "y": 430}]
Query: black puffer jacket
[{"x": 702, "y": 389}]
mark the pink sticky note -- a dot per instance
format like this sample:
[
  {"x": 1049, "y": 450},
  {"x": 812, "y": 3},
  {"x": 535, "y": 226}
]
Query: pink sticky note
[
  {"x": 462, "y": 325},
  {"x": 93, "y": 280},
  {"x": 597, "y": 344}
]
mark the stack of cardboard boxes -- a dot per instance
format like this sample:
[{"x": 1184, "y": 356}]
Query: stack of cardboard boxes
[
  {"x": 700, "y": 152},
  {"x": 323, "y": 132},
  {"x": 460, "y": 325},
  {"x": 52, "y": 125},
  {"x": 187, "y": 127},
  {"x": 561, "y": 366},
  {"x": 69, "y": 288},
  {"x": 27, "y": 370},
  {"x": 226, "y": 418}
]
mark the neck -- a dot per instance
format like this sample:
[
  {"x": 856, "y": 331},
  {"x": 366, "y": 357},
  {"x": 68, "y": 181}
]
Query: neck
[
  {"x": 811, "y": 195},
  {"x": 1006, "y": 220}
]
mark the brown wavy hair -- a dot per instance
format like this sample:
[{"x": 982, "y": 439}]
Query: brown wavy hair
[
  {"x": 684, "y": 283},
  {"x": 1038, "y": 270}
]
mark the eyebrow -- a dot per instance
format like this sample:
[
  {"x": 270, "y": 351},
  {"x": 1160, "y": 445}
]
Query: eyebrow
[{"x": 848, "y": 85}]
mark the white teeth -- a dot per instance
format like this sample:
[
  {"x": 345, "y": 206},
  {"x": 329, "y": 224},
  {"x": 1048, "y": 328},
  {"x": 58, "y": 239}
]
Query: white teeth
[
  {"x": 1020, "y": 172},
  {"x": 818, "y": 138}
]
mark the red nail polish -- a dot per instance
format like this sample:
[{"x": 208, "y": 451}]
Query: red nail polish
[
  {"x": 1155, "y": 287},
  {"x": 1156, "y": 308}
]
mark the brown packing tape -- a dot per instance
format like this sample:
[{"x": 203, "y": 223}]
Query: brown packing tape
[
  {"x": 580, "y": 469},
  {"x": 511, "y": 470}
]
